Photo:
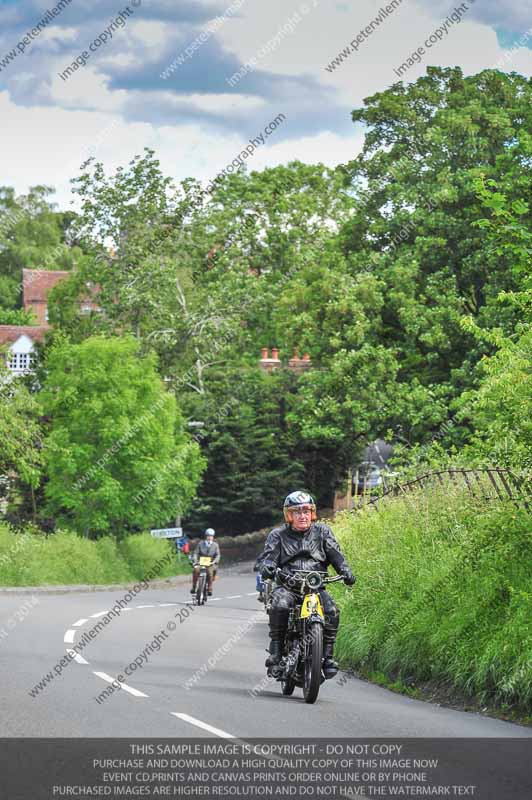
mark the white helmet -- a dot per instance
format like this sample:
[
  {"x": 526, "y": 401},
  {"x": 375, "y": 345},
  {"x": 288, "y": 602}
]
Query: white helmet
[{"x": 210, "y": 532}]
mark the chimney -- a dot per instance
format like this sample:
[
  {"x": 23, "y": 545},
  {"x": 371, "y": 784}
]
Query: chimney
[
  {"x": 299, "y": 365},
  {"x": 269, "y": 364}
]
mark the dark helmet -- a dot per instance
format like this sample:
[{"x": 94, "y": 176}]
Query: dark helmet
[{"x": 295, "y": 500}]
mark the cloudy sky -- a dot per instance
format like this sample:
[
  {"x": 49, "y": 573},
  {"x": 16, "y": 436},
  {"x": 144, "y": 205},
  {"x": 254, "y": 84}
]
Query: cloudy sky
[{"x": 172, "y": 75}]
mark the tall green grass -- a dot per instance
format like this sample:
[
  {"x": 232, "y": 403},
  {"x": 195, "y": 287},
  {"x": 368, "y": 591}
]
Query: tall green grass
[
  {"x": 64, "y": 558},
  {"x": 444, "y": 592}
]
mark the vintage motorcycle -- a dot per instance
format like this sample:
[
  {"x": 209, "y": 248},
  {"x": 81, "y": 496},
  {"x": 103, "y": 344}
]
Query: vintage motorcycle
[
  {"x": 301, "y": 663},
  {"x": 200, "y": 597}
]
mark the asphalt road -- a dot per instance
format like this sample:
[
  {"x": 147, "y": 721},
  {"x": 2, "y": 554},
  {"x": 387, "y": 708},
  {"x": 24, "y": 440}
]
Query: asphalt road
[{"x": 204, "y": 681}]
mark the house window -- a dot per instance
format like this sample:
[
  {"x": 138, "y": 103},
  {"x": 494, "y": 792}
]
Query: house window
[{"x": 19, "y": 363}]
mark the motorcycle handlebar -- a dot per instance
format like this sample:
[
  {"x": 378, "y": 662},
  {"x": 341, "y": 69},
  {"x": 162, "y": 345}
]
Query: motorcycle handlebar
[{"x": 324, "y": 575}]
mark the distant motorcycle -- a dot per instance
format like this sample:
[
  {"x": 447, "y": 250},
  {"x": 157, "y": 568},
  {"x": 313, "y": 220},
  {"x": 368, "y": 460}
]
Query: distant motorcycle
[
  {"x": 200, "y": 596},
  {"x": 301, "y": 663}
]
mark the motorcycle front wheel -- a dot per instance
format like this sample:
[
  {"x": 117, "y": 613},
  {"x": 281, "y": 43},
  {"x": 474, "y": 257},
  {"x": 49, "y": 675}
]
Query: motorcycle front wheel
[
  {"x": 312, "y": 666},
  {"x": 200, "y": 593},
  {"x": 288, "y": 686}
]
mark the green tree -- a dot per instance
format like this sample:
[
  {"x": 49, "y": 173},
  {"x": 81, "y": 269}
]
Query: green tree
[
  {"x": 414, "y": 228},
  {"x": 21, "y": 437},
  {"x": 17, "y": 316},
  {"x": 34, "y": 235},
  {"x": 117, "y": 456},
  {"x": 500, "y": 411},
  {"x": 253, "y": 456}
]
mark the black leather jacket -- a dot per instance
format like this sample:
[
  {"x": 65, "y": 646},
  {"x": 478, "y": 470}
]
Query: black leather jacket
[{"x": 291, "y": 550}]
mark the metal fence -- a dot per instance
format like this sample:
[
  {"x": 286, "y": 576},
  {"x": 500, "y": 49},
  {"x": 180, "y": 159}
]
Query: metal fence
[{"x": 486, "y": 484}]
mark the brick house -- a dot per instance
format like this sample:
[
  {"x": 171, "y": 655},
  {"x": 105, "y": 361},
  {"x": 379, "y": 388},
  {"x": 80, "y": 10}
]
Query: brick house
[
  {"x": 19, "y": 340},
  {"x": 36, "y": 284}
]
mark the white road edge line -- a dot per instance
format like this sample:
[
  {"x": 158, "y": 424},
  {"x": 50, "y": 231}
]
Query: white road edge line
[
  {"x": 250, "y": 594},
  {"x": 99, "y": 614},
  {"x": 124, "y": 686},
  {"x": 79, "y": 622},
  {"x": 69, "y": 636},
  {"x": 76, "y": 656},
  {"x": 167, "y": 604},
  {"x": 231, "y": 597},
  {"x": 199, "y": 724},
  {"x": 145, "y": 606}
]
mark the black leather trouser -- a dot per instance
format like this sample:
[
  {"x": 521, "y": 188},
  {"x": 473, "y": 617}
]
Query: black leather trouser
[{"x": 283, "y": 600}]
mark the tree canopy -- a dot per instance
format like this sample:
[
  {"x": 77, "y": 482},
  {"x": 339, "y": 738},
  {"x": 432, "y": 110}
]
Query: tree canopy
[
  {"x": 117, "y": 455},
  {"x": 404, "y": 273}
]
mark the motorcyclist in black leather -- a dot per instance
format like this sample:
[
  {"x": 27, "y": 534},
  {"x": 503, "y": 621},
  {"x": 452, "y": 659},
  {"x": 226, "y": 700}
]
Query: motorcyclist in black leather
[{"x": 302, "y": 544}]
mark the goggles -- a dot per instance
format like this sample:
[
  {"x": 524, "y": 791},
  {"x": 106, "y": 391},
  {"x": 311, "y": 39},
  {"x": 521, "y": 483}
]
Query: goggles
[{"x": 300, "y": 511}]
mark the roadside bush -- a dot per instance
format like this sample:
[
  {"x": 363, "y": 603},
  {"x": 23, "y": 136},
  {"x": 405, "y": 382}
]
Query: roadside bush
[
  {"x": 64, "y": 558},
  {"x": 114, "y": 563},
  {"x": 141, "y": 552},
  {"x": 443, "y": 593}
]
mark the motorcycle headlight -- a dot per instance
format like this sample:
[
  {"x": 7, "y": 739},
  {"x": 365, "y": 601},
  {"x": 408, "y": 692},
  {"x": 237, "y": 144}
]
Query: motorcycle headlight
[{"x": 314, "y": 581}]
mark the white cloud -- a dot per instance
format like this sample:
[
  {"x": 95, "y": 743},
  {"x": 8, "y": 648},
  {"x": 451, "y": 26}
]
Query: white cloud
[
  {"x": 46, "y": 143},
  {"x": 327, "y": 148},
  {"x": 152, "y": 35},
  {"x": 220, "y": 102},
  {"x": 470, "y": 44}
]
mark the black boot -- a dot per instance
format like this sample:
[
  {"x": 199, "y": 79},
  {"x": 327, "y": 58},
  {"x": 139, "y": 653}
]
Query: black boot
[
  {"x": 276, "y": 652},
  {"x": 330, "y": 667},
  {"x": 278, "y": 627}
]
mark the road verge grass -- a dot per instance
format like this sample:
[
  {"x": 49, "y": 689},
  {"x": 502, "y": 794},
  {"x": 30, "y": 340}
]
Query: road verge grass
[
  {"x": 444, "y": 594},
  {"x": 31, "y": 559}
]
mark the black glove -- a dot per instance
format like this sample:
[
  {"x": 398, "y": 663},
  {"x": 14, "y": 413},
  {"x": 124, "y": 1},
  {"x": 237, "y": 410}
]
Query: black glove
[
  {"x": 267, "y": 572},
  {"x": 347, "y": 575}
]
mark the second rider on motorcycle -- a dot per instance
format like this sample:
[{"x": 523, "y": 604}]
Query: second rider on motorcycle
[
  {"x": 207, "y": 547},
  {"x": 302, "y": 544}
]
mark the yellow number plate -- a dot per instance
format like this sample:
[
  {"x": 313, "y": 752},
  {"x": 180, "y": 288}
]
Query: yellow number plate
[
  {"x": 205, "y": 561},
  {"x": 311, "y": 605}
]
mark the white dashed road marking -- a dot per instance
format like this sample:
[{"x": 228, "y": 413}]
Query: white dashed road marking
[
  {"x": 124, "y": 686},
  {"x": 76, "y": 656},
  {"x": 69, "y": 638},
  {"x": 199, "y": 724}
]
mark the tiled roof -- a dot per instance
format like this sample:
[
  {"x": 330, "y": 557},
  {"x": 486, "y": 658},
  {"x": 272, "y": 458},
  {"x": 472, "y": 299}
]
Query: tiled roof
[
  {"x": 10, "y": 333},
  {"x": 36, "y": 283}
]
